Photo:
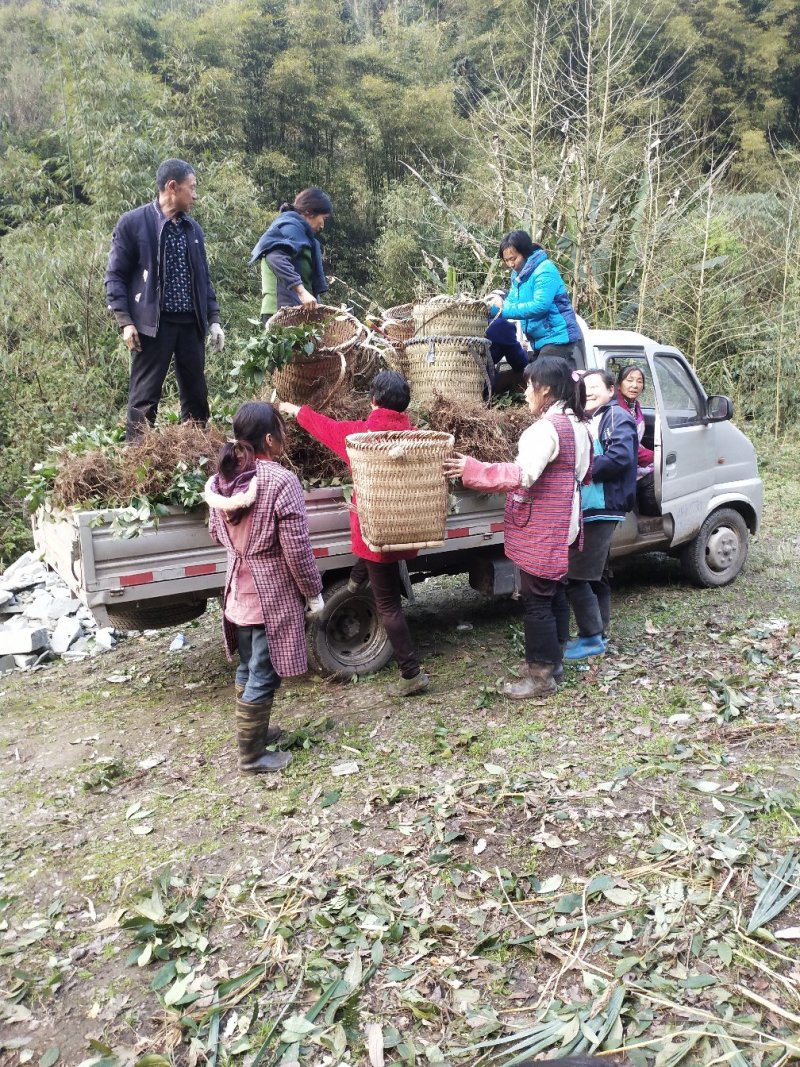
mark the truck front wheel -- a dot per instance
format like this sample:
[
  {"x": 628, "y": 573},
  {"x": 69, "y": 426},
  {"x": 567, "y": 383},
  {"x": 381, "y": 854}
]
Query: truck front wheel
[
  {"x": 718, "y": 553},
  {"x": 347, "y": 638}
]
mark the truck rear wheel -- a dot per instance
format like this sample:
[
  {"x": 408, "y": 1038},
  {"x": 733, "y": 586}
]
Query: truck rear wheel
[
  {"x": 717, "y": 554},
  {"x": 348, "y": 638},
  {"x": 153, "y": 616}
]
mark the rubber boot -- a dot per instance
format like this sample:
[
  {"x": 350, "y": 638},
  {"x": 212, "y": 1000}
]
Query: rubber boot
[
  {"x": 538, "y": 682},
  {"x": 274, "y": 733},
  {"x": 252, "y": 727},
  {"x": 583, "y": 647},
  {"x": 558, "y": 670}
]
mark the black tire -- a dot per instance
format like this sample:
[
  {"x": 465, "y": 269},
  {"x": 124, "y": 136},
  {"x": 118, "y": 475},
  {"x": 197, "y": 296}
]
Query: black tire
[
  {"x": 153, "y": 616},
  {"x": 716, "y": 556},
  {"x": 348, "y": 638}
]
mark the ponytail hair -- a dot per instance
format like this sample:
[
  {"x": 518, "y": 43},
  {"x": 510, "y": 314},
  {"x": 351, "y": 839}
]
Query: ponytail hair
[
  {"x": 565, "y": 384},
  {"x": 311, "y": 201},
  {"x": 251, "y": 424}
]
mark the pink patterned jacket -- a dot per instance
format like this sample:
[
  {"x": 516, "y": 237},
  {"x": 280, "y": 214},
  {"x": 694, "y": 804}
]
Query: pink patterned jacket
[{"x": 279, "y": 556}]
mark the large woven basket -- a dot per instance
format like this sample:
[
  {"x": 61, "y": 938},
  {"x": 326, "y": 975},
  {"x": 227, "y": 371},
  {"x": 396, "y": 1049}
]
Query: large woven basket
[
  {"x": 310, "y": 379},
  {"x": 450, "y": 316},
  {"x": 455, "y": 367},
  {"x": 400, "y": 487},
  {"x": 398, "y": 326},
  {"x": 316, "y": 377},
  {"x": 341, "y": 331}
]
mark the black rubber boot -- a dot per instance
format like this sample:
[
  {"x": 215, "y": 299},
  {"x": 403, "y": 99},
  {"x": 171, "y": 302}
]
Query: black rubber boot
[
  {"x": 252, "y": 729},
  {"x": 274, "y": 733}
]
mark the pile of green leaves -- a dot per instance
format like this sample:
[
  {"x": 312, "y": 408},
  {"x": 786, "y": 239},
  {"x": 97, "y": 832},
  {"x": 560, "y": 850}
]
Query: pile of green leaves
[{"x": 270, "y": 350}]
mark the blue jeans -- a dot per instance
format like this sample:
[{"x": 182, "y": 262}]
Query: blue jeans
[{"x": 255, "y": 671}]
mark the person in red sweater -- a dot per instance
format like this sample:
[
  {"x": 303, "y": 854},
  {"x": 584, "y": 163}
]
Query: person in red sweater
[{"x": 390, "y": 395}]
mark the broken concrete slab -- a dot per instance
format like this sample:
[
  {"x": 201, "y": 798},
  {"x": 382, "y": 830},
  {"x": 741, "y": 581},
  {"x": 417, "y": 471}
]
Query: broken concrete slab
[
  {"x": 7, "y": 664},
  {"x": 104, "y": 638},
  {"x": 22, "y": 639},
  {"x": 68, "y": 629},
  {"x": 24, "y": 573}
]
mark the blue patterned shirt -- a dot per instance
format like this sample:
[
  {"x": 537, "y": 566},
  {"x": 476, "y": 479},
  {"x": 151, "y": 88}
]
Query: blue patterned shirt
[{"x": 177, "y": 281}]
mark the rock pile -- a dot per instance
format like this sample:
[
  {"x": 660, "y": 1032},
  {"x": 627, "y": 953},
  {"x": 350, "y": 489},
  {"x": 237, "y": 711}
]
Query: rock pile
[{"x": 40, "y": 620}]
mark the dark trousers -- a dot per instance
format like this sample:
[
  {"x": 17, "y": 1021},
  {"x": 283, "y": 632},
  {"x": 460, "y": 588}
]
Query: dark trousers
[
  {"x": 588, "y": 585},
  {"x": 546, "y": 618},
  {"x": 574, "y": 353},
  {"x": 179, "y": 336},
  {"x": 387, "y": 589}
]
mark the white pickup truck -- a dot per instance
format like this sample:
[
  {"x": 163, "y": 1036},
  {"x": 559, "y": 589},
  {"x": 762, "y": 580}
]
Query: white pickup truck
[{"x": 706, "y": 480}]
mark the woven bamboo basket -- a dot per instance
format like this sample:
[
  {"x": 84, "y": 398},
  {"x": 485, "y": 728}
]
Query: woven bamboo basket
[
  {"x": 397, "y": 326},
  {"x": 310, "y": 379},
  {"x": 400, "y": 487},
  {"x": 316, "y": 377},
  {"x": 450, "y": 316},
  {"x": 455, "y": 367},
  {"x": 341, "y": 331}
]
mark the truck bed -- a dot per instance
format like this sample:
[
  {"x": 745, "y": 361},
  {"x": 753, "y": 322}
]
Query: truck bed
[{"x": 178, "y": 558}]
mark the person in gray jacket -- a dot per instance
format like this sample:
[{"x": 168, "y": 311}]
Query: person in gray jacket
[{"x": 159, "y": 291}]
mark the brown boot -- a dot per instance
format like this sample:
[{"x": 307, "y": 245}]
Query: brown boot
[
  {"x": 538, "y": 682},
  {"x": 252, "y": 728},
  {"x": 274, "y": 733}
]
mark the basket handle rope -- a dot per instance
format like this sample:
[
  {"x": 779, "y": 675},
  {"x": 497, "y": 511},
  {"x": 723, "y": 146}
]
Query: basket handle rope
[{"x": 339, "y": 380}]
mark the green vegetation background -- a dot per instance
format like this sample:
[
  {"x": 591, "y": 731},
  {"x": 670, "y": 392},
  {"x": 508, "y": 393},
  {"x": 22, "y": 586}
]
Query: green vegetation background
[{"x": 652, "y": 147}]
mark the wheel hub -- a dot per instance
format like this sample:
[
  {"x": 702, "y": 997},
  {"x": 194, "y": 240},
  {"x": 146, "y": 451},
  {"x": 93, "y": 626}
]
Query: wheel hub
[{"x": 722, "y": 549}]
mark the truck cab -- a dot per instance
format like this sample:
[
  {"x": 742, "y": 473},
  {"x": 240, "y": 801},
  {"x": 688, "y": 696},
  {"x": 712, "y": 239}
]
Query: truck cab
[{"x": 706, "y": 473}]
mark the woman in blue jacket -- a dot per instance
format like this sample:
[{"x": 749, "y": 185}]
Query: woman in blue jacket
[
  {"x": 605, "y": 502},
  {"x": 291, "y": 256},
  {"x": 539, "y": 299}
]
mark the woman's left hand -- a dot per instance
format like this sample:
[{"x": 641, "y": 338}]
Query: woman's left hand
[{"x": 454, "y": 464}]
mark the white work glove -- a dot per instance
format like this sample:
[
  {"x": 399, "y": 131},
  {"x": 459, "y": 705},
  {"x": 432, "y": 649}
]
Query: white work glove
[
  {"x": 217, "y": 335},
  {"x": 315, "y": 606}
]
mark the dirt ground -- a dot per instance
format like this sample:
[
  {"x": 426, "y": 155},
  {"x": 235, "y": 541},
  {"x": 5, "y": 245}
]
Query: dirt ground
[{"x": 430, "y": 874}]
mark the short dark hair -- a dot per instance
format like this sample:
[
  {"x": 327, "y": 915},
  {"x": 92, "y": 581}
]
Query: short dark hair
[
  {"x": 606, "y": 378},
  {"x": 177, "y": 170},
  {"x": 390, "y": 390},
  {"x": 628, "y": 370},
  {"x": 555, "y": 374},
  {"x": 520, "y": 240}
]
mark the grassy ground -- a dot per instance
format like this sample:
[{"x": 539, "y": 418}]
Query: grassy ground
[{"x": 427, "y": 875}]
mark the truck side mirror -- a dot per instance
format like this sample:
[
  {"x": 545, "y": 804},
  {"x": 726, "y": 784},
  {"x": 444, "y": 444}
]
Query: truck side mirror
[{"x": 719, "y": 408}]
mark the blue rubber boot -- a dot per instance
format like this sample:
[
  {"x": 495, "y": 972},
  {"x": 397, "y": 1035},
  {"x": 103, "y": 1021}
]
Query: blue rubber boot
[{"x": 583, "y": 647}]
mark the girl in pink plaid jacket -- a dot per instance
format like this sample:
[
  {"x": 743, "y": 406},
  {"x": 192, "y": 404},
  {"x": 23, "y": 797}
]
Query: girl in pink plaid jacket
[{"x": 257, "y": 512}]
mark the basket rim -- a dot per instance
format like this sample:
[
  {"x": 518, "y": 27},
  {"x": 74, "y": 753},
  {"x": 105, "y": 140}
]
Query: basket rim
[{"x": 360, "y": 330}]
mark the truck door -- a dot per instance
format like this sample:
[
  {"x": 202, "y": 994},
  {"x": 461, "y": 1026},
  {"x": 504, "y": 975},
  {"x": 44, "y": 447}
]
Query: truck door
[{"x": 686, "y": 465}]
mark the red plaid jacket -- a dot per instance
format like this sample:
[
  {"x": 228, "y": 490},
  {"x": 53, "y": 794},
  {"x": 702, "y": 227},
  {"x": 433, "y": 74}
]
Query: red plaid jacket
[{"x": 279, "y": 556}]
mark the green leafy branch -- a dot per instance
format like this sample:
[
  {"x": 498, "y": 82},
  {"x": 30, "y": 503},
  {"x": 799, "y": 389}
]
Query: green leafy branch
[{"x": 270, "y": 350}]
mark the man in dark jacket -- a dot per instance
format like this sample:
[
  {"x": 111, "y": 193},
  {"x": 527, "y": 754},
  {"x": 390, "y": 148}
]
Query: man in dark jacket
[{"x": 160, "y": 293}]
